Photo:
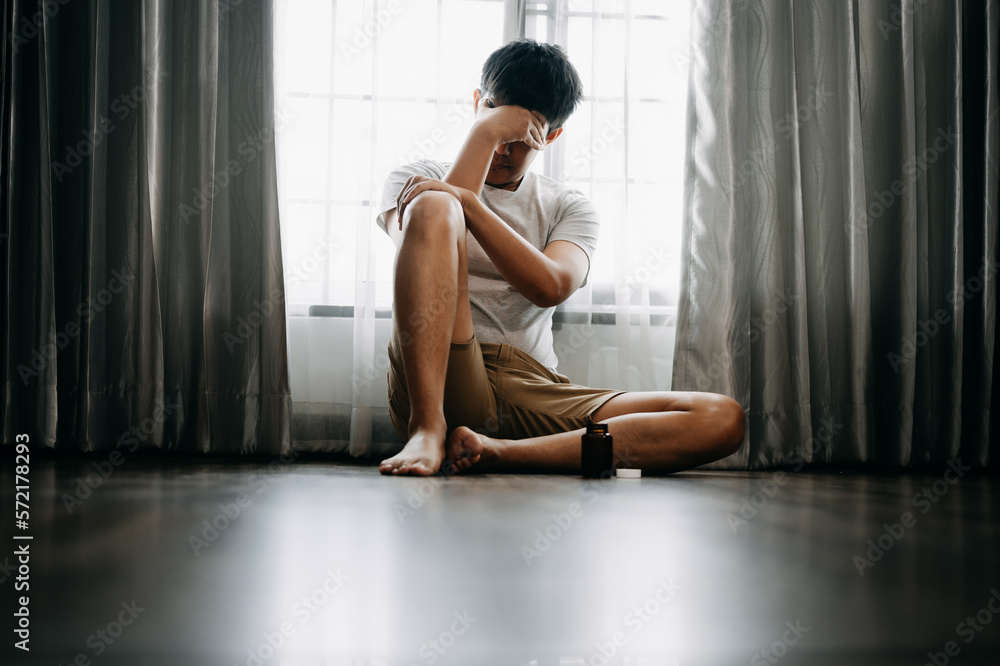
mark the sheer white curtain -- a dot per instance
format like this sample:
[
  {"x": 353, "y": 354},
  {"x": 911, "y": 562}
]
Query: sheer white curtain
[{"x": 368, "y": 84}]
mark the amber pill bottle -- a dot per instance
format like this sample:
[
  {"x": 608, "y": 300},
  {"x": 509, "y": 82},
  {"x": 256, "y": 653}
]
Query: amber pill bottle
[{"x": 597, "y": 452}]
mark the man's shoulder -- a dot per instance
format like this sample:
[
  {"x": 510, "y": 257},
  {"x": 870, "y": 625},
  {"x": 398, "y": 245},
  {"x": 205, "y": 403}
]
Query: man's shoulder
[{"x": 424, "y": 167}]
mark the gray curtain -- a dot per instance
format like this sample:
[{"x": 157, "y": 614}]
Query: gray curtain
[
  {"x": 840, "y": 247},
  {"x": 143, "y": 301}
]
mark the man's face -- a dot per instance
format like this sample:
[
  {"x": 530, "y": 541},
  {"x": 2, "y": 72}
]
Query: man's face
[{"x": 510, "y": 160}]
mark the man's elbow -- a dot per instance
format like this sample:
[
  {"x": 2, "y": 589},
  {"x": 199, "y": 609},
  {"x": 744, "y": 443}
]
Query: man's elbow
[{"x": 553, "y": 292}]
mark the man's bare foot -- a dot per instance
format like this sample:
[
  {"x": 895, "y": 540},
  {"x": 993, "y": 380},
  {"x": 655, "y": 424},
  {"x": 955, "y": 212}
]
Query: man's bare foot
[
  {"x": 422, "y": 455},
  {"x": 467, "y": 448}
]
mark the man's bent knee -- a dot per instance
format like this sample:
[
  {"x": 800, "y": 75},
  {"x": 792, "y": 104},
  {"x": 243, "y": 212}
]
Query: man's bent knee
[
  {"x": 732, "y": 425},
  {"x": 433, "y": 213}
]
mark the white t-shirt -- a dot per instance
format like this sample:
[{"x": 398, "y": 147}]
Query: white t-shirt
[{"x": 541, "y": 210}]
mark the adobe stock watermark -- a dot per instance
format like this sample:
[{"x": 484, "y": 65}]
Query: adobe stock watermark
[
  {"x": 86, "y": 310},
  {"x": 7, "y": 569},
  {"x": 419, "y": 320},
  {"x": 417, "y": 497},
  {"x": 928, "y": 328},
  {"x": 751, "y": 505},
  {"x": 656, "y": 260},
  {"x": 968, "y": 629},
  {"x": 923, "y": 501},
  {"x": 912, "y": 169},
  {"x": 635, "y": 620},
  {"x": 121, "y": 107},
  {"x": 129, "y": 440},
  {"x": 707, "y": 27},
  {"x": 29, "y": 28},
  {"x": 302, "y": 611},
  {"x": 426, "y": 147},
  {"x": 552, "y": 532},
  {"x": 226, "y": 6},
  {"x": 779, "y": 648},
  {"x": 230, "y": 512},
  {"x": 547, "y": 535},
  {"x": 757, "y": 327},
  {"x": 785, "y": 128},
  {"x": 365, "y": 34},
  {"x": 262, "y": 310},
  {"x": 895, "y": 22},
  {"x": 248, "y": 150},
  {"x": 611, "y": 131},
  {"x": 104, "y": 637},
  {"x": 428, "y": 486},
  {"x": 436, "y": 647}
]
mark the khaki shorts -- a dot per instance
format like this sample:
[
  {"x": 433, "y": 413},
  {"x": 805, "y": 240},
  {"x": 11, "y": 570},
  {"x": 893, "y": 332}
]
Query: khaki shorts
[{"x": 500, "y": 391}]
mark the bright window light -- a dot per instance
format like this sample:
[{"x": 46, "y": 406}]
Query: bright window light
[{"x": 368, "y": 85}]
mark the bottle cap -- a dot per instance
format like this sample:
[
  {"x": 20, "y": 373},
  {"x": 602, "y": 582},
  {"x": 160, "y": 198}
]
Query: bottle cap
[
  {"x": 597, "y": 428},
  {"x": 625, "y": 473}
]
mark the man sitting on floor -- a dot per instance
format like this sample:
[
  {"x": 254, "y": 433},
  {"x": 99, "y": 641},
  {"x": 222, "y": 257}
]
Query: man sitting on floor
[{"x": 485, "y": 251}]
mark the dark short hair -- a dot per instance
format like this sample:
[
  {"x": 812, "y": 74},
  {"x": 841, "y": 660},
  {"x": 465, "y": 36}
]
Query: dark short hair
[{"x": 534, "y": 75}]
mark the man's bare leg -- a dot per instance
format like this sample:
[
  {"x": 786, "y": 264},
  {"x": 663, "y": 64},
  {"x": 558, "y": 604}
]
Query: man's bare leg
[
  {"x": 659, "y": 432},
  {"x": 430, "y": 310}
]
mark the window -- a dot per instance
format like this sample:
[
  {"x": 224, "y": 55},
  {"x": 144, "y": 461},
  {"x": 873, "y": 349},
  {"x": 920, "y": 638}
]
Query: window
[
  {"x": 365, "y": 86},
  {"x": 624, "y": 147}
]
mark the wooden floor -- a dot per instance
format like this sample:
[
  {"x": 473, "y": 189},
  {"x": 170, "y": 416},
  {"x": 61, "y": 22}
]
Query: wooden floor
[{"x": 187, "y": 562}]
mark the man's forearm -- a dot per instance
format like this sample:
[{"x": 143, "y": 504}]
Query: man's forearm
[
  {"x": 524, "y": 266},
  {"x": 473, "y": 161}
]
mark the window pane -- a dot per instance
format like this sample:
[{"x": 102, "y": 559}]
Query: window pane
[
  {"x": 474, "y": 30},
  {"x": 350, "y": 177},
  {"x": 308, "y": 55},
  {"x": 576, "y": 142},
  {"x": 664, "y": 43},
  {"x": 580, "y": 46},
  {"x": 304, "y": 243},
  {"x": 303, "y": 143},
  {"x": 353, "y": 52},
  {"x": 406, "y": 133},
  {"x": 407, "y": 60}
]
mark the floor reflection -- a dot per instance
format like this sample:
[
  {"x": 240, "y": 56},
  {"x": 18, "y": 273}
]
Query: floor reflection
[{"x": 232, "y": 563}]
